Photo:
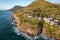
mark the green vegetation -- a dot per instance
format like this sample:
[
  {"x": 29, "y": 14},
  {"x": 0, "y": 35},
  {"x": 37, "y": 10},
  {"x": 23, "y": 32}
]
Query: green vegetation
[
  {"x": 52, "y": 31},
  {"x": 40, "y": 8},
  {"x": 41, "y": 23},
  {"x": 15, "y": 8}
]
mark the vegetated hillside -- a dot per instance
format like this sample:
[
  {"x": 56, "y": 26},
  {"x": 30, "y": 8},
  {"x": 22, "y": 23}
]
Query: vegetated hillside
[
  {"x": 45, "y": 8},
  {"x": 32, "y": 24},
  {"x": 15, "y": 8}
]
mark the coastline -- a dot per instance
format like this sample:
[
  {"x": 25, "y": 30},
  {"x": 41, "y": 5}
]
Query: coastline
[
  {"x": 19, "y": 32},
  {"x": 17, "y": 22},
  {"x": 24, "y": 33}
]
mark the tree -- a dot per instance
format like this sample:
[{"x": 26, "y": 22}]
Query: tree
[{"x": 41, "y": 23}]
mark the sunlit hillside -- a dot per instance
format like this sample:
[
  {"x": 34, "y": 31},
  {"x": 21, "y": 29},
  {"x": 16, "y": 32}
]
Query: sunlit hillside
[{"x": 32, "y": 18}]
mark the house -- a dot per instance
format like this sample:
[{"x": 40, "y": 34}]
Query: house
[
  {"x": 29, "y": 16},
  {"x": 26, "y": 12},
  {"x": 52, "y": 23},
  {"x": 38, "y": 17},
  {"x": 47, "y": 20},
  {"x": 57, "y": 21},
  {"x": 51, "y": 19}
]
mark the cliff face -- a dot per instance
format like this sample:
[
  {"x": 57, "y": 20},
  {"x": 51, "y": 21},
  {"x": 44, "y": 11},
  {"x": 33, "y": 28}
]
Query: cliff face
[{"x": 30, "y": 19}]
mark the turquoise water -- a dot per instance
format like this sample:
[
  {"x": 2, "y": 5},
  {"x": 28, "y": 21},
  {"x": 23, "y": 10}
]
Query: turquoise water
[{"x": 6, "y": 30}]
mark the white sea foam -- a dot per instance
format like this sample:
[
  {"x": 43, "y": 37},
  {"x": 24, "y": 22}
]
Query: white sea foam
[
  {"x": 12, "y": 23},
  {"x": 16, "y": 30},
  {"x": 21, "y": 33}
]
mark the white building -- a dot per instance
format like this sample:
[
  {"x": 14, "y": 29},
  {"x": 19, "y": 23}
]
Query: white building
[
  {"x": 52, "y": 23},
  {"x": 29, "y": 16},
  {"x": 47, "y": 20}
]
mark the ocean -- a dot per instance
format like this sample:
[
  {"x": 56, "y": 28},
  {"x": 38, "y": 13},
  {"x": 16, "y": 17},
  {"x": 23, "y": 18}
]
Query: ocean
[{"x": 6, "y": 27}]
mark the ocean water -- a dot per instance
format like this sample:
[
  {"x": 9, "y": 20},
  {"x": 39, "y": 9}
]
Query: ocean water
[
  {"x": 8, "y": 31},
  {"x": 6, "y": 27}
]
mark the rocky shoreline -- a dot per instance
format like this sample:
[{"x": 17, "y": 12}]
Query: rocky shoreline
[
  {"x": 24, "y": 33},
  {"x": 17, "y": 22},
  {"x": 29, "y": 31},
  {"x": 40, "y": 37}
]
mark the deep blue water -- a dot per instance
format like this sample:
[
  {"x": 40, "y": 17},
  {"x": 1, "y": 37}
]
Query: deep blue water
[{"x": 6, "y": 31}]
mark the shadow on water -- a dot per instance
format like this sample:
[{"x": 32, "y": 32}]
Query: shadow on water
[{"x": 6, "y": 32}]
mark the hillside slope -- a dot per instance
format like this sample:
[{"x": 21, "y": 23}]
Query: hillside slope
[
  {"x": 31, "y": 19},
  {"x": 45, "y": 8},
  {"x": 15, "y": 8}
]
